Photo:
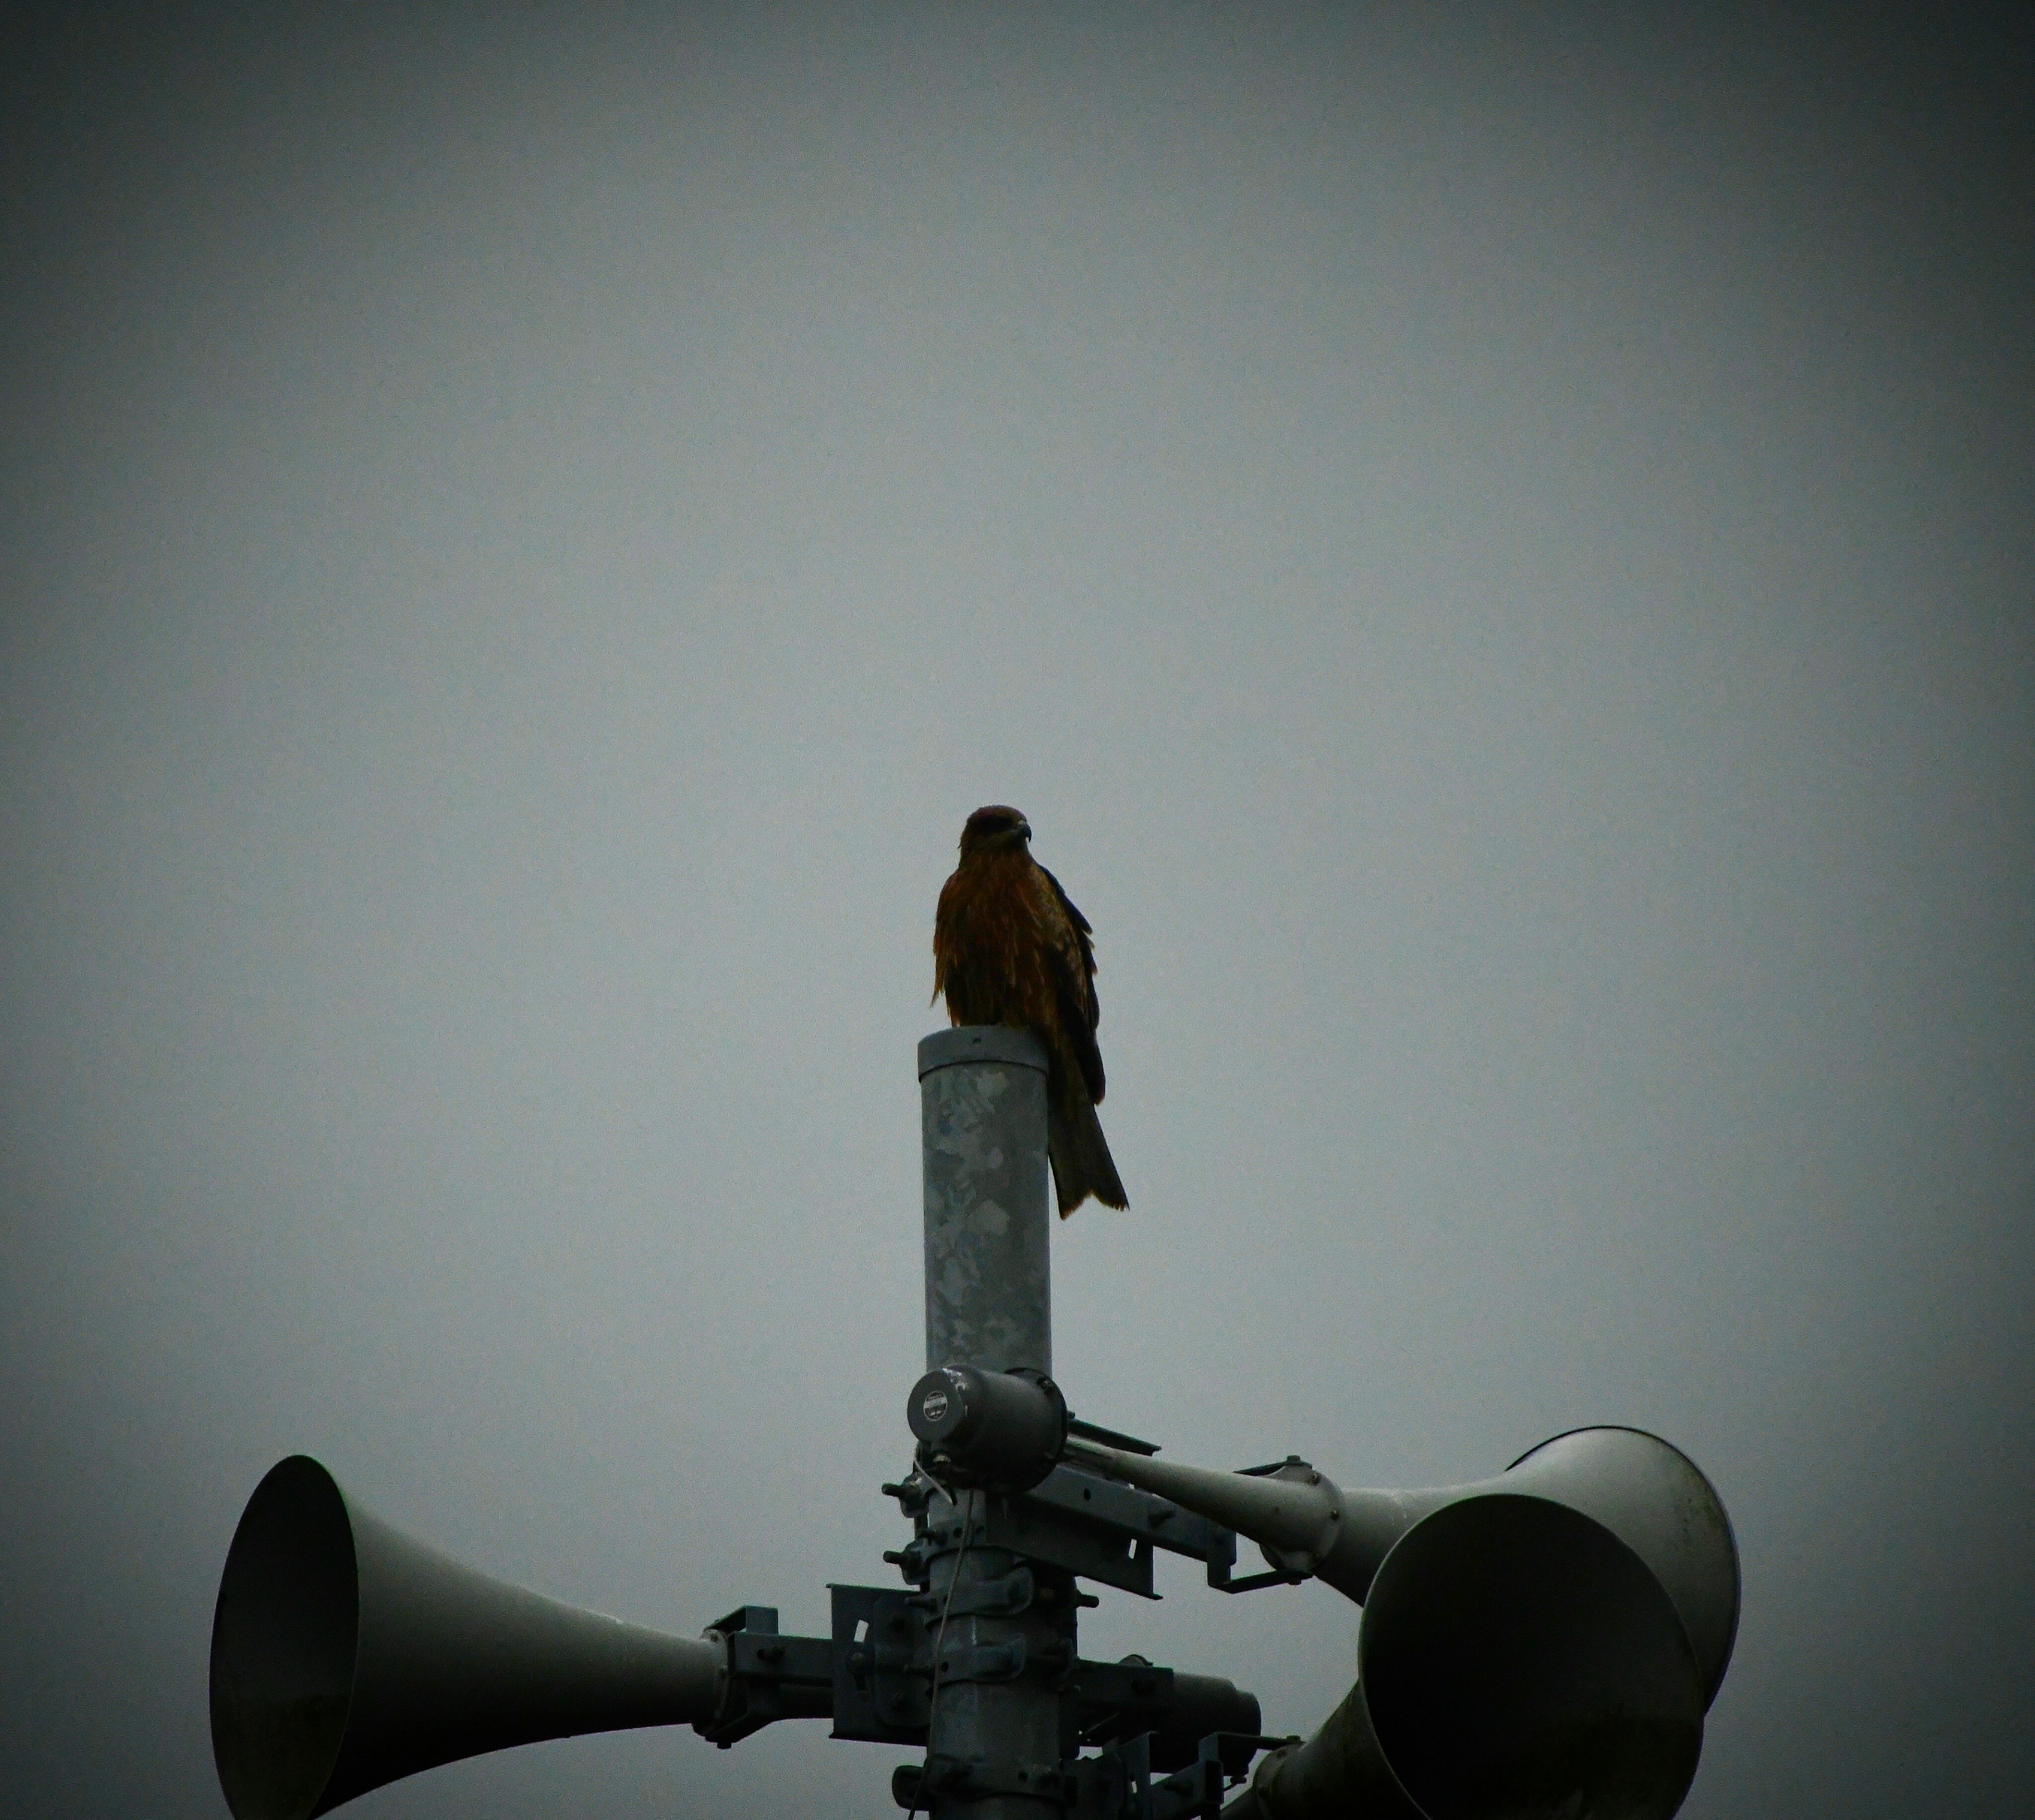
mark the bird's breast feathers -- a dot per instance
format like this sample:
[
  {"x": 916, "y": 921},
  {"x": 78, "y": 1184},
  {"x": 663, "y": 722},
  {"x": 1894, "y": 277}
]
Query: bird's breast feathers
[{"x": 997, "y": 922}]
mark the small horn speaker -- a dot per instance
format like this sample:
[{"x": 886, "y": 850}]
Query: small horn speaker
[{"x": 346, "y": 1654}]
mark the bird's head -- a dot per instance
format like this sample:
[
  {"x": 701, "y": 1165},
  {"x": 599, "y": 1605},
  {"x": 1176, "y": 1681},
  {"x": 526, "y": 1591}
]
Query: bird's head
[{"x": 995, "y": 829}]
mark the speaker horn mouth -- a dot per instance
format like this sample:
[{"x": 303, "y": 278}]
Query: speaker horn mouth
[
  {"x": 284, "y": 1636},
  {"x": 1517, "y": 1658}
]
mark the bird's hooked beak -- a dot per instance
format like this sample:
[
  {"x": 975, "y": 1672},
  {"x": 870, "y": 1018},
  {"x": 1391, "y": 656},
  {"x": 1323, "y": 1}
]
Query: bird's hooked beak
[{"x": 1010, "y": 840}]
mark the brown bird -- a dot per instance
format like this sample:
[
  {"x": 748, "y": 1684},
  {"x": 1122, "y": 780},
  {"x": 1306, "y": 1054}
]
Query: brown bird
[{"x": 1009, "y": 947}]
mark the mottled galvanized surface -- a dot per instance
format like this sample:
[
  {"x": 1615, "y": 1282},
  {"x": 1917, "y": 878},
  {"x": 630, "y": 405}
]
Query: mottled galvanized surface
[{"x": 982, "y": 1094}]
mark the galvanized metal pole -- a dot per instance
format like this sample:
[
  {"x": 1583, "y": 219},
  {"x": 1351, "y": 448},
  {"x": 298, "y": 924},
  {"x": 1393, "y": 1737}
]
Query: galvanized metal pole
[
  {"x": 982, "y": 1099},
  {"x": 1008, "y": 1623}
]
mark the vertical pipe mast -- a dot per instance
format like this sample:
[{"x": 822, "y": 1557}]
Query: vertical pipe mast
[
  {"x": 1010, "y": 1623},
  {"x": 982, "y": 1101}
]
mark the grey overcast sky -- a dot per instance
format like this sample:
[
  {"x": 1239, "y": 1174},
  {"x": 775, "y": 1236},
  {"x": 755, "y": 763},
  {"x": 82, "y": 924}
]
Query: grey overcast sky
[{"x": 1493, "y": 544}]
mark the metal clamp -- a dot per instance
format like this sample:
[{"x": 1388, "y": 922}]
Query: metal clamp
[
  {"x": 770, "y": 1677},
  {"x": 1003, "y": 1661}
]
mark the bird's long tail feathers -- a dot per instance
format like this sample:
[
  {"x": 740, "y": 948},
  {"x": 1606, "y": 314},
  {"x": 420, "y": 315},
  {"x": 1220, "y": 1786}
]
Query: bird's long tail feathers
[{"x": 1082, "y": 1165}]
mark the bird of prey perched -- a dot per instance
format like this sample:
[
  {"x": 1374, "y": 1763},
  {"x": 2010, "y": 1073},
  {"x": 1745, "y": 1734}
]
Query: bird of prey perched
[{"x": 1009, "y": 947}]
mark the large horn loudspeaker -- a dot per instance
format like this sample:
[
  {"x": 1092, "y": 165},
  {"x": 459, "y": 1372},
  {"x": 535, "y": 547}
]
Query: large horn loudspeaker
[
  {"x": 345, "y": 1654},
  {"x": 1540, "y": 1645}
]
